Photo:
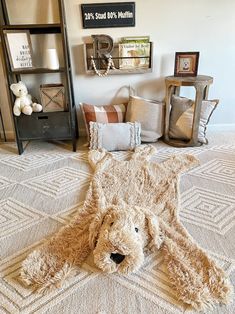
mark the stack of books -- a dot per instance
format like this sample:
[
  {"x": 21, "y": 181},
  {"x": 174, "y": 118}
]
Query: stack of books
[{"x": 134, "y": 52}]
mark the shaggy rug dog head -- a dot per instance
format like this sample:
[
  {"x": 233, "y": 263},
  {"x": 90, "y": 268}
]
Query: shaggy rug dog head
[{"x": 120, "y": 236}]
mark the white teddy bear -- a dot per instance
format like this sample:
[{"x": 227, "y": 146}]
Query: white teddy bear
[{"x": 23, "y": 102}]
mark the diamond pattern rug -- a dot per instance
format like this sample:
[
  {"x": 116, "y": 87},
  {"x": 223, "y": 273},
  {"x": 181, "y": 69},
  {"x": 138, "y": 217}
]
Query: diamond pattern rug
[{"x": 41, "y": 190}]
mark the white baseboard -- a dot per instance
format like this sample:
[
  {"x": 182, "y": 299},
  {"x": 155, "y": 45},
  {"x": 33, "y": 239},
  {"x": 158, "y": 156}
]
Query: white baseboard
[
  {"x": 221, "y": 127},
  {"x": 10, "y": 135},
  {"x": 210, "y": 127}
]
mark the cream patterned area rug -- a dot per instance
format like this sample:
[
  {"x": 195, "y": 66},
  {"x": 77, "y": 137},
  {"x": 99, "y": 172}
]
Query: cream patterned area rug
[{"x": 43, "y": 189}]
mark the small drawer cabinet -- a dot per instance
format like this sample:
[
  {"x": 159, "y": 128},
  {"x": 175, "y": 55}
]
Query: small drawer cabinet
[{"x": 44, "y": 125}]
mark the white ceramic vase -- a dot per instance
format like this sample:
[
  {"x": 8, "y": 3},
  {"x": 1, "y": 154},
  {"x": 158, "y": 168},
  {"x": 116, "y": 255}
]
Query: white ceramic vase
[{"x": 52, "y": 60}]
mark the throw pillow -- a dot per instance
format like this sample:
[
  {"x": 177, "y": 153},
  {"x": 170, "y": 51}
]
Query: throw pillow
[
  {"x": 102, "y": 114},
  {"x": 179, "y": 105},
  {"x": 181, "y": 118},
  {"x": 114, "y": 136},
  {"x": 150, "y": 114}
]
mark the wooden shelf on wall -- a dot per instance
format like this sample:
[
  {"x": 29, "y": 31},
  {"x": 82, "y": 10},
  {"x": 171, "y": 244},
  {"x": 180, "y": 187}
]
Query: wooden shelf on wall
[{"x": 88, "y": 52}]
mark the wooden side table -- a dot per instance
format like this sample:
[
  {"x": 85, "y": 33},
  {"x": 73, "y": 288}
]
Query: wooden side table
[{"x": 173, "y": 84}]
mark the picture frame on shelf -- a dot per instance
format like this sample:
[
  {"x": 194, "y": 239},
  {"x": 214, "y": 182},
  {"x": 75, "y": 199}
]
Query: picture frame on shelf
[
  {"x": 19, "y": 49},
  {"x": 186, "y": 63}
]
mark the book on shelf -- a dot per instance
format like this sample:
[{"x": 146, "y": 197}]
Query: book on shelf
[
  {"x": 134, "y": 55},
  {"x": 135, "y": 39}
]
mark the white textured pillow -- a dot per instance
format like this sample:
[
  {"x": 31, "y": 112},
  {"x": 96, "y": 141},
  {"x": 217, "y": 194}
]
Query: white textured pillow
[
  {"x": 181, "y": 119},
  {"x": 114, "y": 136},
  {"x": 150, "y": 114}
]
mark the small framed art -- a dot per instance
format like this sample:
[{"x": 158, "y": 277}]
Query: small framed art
[
  {"x": 19, "y": 49},
  {"x": 186, "y": 63}
]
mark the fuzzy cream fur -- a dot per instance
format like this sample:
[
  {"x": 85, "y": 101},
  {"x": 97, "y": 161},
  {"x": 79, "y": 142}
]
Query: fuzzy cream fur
[{"x": 131, "y": 206}]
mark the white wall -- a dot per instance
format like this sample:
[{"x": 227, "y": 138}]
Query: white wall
[{"x": 207, "y": 26}]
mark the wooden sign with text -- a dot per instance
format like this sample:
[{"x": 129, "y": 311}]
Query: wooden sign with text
[
  {"x": 114, "y": 14},
  {"x": 19, "y": 49}
]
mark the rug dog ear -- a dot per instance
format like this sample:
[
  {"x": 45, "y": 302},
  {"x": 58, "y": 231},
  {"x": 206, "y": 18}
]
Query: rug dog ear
[
  {"x": 156, "y": 236},
  {"x": 94, "y": 229}
]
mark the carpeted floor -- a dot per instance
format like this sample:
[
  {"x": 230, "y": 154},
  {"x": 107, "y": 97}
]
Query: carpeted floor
[{"x": 42, "y": 189}]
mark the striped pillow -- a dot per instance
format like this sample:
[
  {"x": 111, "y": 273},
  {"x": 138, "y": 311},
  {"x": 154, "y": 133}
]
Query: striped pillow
[{"x": 103, "y": 114}]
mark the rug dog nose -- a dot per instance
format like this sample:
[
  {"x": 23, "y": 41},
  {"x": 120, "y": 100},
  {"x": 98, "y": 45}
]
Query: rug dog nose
[{"x": 117, "y": 258}]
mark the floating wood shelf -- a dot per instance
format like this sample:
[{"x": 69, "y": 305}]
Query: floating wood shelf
[{"x": 88, "y": 52}]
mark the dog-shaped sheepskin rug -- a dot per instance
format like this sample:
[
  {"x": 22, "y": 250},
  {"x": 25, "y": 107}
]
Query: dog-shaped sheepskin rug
[{"x": 131, "y": 206}]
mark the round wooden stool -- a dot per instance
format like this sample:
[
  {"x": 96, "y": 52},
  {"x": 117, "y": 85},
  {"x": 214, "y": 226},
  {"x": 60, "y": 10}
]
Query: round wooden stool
[{"x": 173, "y": 84}]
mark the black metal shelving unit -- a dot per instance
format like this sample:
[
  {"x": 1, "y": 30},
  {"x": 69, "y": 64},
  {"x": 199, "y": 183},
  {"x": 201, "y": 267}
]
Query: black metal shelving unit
[{"x": 44, "y": 125}]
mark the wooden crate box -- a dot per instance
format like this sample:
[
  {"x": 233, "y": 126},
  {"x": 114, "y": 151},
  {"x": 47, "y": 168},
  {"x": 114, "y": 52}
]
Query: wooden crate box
[{"x": 52, "y": 97}]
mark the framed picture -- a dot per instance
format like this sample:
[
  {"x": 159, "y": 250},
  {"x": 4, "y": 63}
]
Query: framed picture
[
  {"x": 19, "y": 49},
  {"x": 186, "y": 63}
]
